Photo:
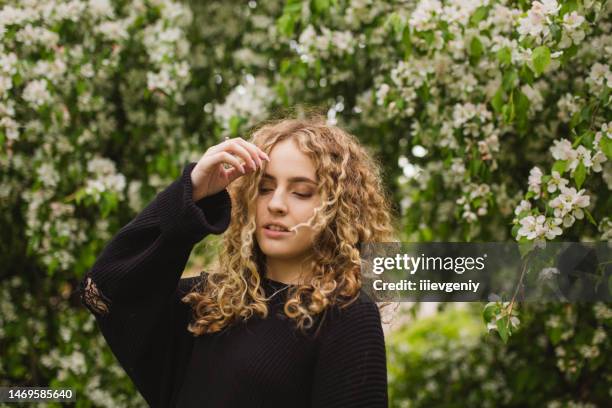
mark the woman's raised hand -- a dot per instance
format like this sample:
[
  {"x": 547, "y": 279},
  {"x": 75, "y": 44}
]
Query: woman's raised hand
[{"x": 209, "y": 176}]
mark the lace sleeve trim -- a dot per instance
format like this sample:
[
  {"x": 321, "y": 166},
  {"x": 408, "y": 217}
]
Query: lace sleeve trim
[{"x": 92, "y": 297}]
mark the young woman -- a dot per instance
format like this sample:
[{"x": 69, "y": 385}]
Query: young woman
[{"x": 281, "y": 319}]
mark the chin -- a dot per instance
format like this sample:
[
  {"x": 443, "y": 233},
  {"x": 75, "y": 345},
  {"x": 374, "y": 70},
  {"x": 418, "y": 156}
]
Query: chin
[{"x": 276, "y": 251}]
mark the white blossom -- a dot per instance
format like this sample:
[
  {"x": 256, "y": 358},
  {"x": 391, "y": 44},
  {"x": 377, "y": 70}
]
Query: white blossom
[
  {"x": 572, "y": 21},
  {"x": 112, "y": 30},
  {"x": 11, "y": 128},
  {"x": 535, "y": 180},
  {"x": 36, "y": 93},
  {"x": 582, "y": 156},
  {"x": 570, "y": 201},
  {"x": 535, "y": 23},
  {"x": 100, "y": 8},
  {"x": 597, "y": 160},
  {"x": 562, "y": 150},
  {"x": 556, "y": 182},
  {"x": 248, "y": 100},
  {"x": 524, "y": 205},
  {"x": 539, "y": 227},
  {"x": 548, "y": 7},
  {"x": 599, "y": 75}
]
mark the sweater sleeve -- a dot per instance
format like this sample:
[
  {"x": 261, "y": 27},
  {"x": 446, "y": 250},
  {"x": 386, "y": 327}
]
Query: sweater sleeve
[
  {"x": 351, "y": 367},
  {"x": 134, "y": 287}
]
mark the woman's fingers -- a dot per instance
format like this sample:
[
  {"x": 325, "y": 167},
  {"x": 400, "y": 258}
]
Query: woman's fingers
[
  {"x": 249, "y": 152},
  {"x": 244, "y": 153},
  {"x": 255, "y": 151},
  {"x": 233, "y": 173},
  {"x": 225, "y": 157}
]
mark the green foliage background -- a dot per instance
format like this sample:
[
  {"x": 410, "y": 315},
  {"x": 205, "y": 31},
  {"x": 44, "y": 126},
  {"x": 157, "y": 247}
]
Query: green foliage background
[{"x": 103, "y": 102}]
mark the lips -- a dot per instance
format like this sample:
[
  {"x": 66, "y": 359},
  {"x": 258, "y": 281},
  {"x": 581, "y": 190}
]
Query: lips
[
  {"x": 281, "y": 231},
  {"x": 277, "y": 225}
]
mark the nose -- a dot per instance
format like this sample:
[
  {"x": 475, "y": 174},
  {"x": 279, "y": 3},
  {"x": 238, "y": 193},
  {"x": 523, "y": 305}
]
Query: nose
[{"x": 277, "y": 203}]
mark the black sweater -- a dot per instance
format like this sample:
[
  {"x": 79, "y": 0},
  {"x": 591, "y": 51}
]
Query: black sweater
[{"x": 134, "y": 290}]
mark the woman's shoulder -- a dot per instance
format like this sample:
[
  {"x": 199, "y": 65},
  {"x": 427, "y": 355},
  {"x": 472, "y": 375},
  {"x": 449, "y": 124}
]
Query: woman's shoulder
[
  {"x": 358, "y": 310},
  {"x": 359, "y": 316}
]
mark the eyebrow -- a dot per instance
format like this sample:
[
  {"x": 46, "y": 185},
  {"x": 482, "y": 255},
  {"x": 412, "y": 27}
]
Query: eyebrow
[{"x": 297, "y": 179}]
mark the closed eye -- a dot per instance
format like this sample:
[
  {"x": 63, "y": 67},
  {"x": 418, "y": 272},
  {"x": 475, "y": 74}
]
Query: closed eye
[{"x": 265, "y": 190}]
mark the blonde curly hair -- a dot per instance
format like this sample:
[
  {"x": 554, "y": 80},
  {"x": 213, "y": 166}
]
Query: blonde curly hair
[{"x": 354, "y": 210}]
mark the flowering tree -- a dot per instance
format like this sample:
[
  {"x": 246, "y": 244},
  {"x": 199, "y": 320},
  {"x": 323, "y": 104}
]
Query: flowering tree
[
  {"x": 90, "y": 127},
  {"x": 491, "y": 117}
]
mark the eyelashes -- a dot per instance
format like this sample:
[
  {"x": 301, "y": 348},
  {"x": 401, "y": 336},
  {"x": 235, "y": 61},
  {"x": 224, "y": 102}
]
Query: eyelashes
[{"x": 265, "y": 190}]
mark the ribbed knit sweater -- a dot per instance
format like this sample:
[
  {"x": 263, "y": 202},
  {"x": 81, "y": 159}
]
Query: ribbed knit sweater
[{"x": 134, "y": 290}]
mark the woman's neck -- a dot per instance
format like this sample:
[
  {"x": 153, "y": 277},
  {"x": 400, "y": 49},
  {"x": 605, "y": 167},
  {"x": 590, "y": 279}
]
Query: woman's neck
[{"x": 286, "y": 270}]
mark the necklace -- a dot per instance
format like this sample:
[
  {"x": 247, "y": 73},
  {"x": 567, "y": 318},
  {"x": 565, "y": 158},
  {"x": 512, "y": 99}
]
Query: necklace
[{"x": 278, "y": 291}]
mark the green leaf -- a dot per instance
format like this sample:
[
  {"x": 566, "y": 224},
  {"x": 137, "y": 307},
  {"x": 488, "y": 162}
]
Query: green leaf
[
  {"x": 321, "y": 6},
  {"x": 587, "y": 139},
  {"x": 396, "y": 22},
  {"x": 541, "y": 59},
  {"x": 443, "y": 27},
  {"x": 580, "y": 174},
  {"x": 585, "y": 113},
  {"x": 426, "y": 234},
  {"x": 509, "y": 80},
  {"x": 423, "y": 93},
  {"x": 407, "y": 42},
  {"x": 479, "y": 15},
  {"x": 498, "y": 100},
  {"x": 428, "y": 36},
  {"x": 503, "y": 327},
  {"x": 508, "y": 110},
  {"x": 78, "y": 197},
  {"x": 590, "y": 217},
  {"x": 568, "y": 53},
  {"x": 504, "y": 56},
  {"x": 526, "y": 75},
  {"x": 53, "y": 265},
  {"x": 560, "y": 166},
  {"x": 575, "y": 121},
  {"x": 476, "y": 47},
  {"x": 400, "y": 103},
  {"x": 604, "y": 96},
  {"x": 555, "y": 335},
  {"x": 525, "y": 248},
  {"x": 17, "y": 79},
  {"x": 605, "y": 144},
  {"x": 521, "y": 103},
  {"x": 234, "y": 124},
  {"x": 555, "y": 31},
  {"x": 281, "y": 91},
  {"x": 286, "y": 25},
  {"x": 490, "y": 311},
  {"x": 515, "y": 230},
  {"x": 80, "y": 87},
  {"x": 568, "y": 7}
]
